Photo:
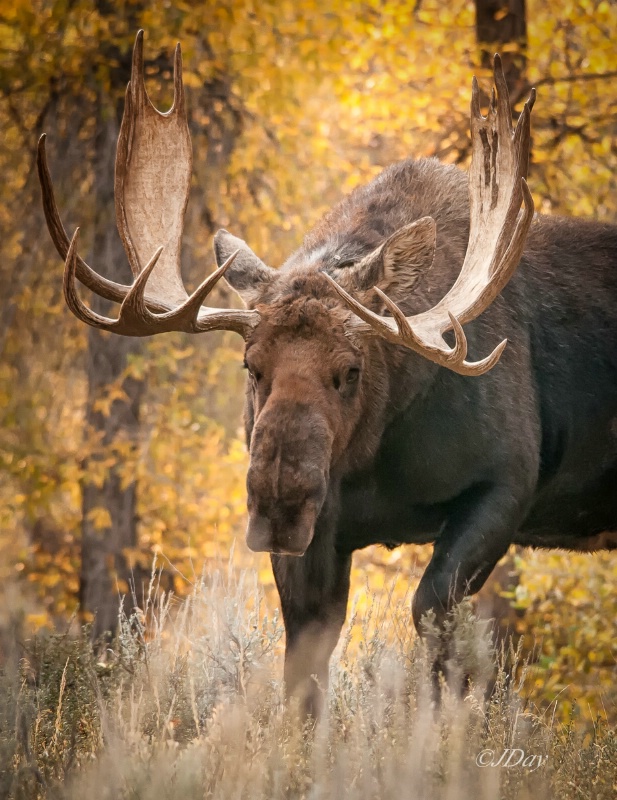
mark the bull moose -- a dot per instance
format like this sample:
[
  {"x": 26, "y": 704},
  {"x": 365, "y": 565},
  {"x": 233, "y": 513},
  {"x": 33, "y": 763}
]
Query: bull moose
[{"x": 365, "y": 420}]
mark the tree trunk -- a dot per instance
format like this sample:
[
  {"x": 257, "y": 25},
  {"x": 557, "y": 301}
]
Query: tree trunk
[
  {"x": 504, "y": 22},
  {"x": 105, "y": 575},
  {"x": 500, "y": 22}
]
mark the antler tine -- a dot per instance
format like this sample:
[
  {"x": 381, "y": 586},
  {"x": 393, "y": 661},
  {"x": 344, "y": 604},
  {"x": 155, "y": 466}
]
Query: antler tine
[
  {"x": 133, "y": 310},
  {"x": 71, "y": 296},
  {"x": 179, "y": 98},
  {"x": 136, "y": 319},
  {"x": 152, "y": 183},
  {"x": 498, "y": 229}
]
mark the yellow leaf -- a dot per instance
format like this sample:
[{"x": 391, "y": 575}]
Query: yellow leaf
[{"x": 99, "y": 517}]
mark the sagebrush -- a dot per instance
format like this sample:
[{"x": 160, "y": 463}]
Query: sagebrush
[{"x": 187, "y": 702}]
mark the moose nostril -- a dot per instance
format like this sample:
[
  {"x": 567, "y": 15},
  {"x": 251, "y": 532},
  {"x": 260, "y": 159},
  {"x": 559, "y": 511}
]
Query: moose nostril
[{"x": 259, "y": 534}]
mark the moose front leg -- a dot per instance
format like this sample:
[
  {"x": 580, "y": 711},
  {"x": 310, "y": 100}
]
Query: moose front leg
[
  {"x": 313, "y": 590},
  {"x": 473, "y": 540}
]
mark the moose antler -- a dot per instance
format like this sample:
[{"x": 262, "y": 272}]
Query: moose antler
[
  {"x": 497, "y": 186},
  {"x": 152, "y": 183}
]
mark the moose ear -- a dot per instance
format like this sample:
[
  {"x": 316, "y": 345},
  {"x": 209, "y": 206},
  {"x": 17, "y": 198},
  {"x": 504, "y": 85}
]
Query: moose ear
[
  {"x": 397, "y": 264},
  {"x": 248, "y": 275},
  {"x": 407, "y": 255}
]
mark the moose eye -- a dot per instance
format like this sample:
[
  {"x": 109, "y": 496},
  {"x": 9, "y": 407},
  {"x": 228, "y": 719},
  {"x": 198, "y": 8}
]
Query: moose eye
[
  {"x": 254, "y": 373},
  {"x": 353, "y": 373},
  {"x": 346, "y": 379}
]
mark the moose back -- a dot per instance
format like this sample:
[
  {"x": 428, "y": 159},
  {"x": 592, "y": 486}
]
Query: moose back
[{"x": 367, "y": 419}]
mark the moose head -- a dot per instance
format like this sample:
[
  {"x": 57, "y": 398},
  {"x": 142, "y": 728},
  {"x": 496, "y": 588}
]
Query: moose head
[{"x": 312, "y": 330}]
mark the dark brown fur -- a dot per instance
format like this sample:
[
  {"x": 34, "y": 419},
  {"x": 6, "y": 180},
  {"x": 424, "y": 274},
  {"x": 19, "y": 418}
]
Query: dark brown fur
[{"x": 407, "y": 451}]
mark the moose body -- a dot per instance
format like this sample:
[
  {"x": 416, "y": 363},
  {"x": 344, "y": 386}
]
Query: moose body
[
  {"x": 542, "y": 423},
  {"x": 365, "y": 421},
  {"x": 525, "y": 454}
]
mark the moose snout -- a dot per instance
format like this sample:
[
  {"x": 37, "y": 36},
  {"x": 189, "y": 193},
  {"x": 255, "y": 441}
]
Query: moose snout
[
  {"x": 289, "y": 538},
  {"x": 287, "y": 479},
  {"x": 260, "y": 538}
]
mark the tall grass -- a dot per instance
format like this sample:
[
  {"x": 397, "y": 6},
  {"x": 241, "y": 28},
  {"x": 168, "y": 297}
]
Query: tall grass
[{"x": 188, "y": 703}]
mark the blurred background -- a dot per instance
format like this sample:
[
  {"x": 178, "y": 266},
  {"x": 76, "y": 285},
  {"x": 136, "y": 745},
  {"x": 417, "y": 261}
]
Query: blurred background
[{"x": 119, "y": 453}]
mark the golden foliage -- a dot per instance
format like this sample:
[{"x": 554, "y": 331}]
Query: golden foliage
[{"x": 569, "y": 604}]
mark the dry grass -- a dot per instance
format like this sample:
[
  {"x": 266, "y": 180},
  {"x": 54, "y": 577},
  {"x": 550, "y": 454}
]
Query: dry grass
[{"x": 193, "y": 708}]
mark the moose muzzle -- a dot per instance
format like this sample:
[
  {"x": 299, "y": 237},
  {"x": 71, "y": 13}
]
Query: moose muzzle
[
  {"x": 291, "y": 447},
  {"x": 285, "y": 537}
]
